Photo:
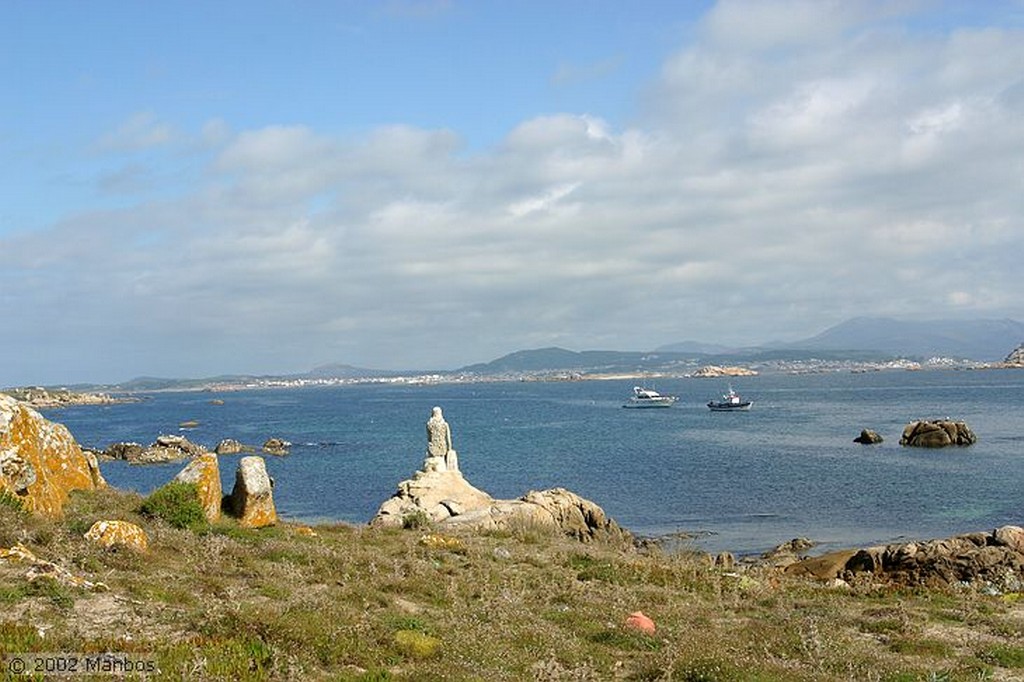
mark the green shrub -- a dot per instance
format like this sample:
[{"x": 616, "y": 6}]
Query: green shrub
[
  {"x": 177, "y": 504},
  {"x": 416, "y": 520},
  {"x": 11, "y": 501}
]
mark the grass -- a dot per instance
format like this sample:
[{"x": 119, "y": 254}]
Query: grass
[{"x": 360, "y": 603}]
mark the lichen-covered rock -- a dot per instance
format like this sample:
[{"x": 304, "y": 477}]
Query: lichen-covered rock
[
  {"x": 252, "y": 498},
  {"x": 937, "y": 434},
  {"x": 111, "y": 534},
  {"x": 204, "y": 473},
  {"x": 40, "y": 462},
  {"x": 40, "y": 568}
]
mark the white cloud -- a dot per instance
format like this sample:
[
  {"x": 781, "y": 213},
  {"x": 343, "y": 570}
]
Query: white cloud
[
  {"x": 141, "y": 131},
  {"x": 795, "y": 164}
]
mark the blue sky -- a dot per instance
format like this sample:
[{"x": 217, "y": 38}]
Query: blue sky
[{"x": 200, "y": 188}]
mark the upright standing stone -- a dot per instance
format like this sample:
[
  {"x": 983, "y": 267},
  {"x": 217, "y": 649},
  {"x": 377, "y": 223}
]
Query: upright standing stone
[
  {"x": 252, "y": 499},
  {"x": 440, "y": 454},
  {"x": 204, "y": 473}
]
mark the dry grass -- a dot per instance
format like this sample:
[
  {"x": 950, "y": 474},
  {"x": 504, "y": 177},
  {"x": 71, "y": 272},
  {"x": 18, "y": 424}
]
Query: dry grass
[{"x": 373, "y": 604}]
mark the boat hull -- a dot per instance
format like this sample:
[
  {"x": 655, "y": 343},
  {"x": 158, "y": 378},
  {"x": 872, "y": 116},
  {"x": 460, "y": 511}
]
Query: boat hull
[
  {"x": 649, "y": 403},
  {"x": 730, "y": 407}
]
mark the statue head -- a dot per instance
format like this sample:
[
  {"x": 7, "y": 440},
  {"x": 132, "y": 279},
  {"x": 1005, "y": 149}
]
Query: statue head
[{"x": 436, "y": 412}]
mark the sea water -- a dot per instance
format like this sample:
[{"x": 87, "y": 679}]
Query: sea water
[{"x": 737, "y": 481}]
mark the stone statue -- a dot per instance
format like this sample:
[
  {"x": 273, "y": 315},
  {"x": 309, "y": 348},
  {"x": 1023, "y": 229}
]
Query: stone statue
[{"x": 440, "y": 454}]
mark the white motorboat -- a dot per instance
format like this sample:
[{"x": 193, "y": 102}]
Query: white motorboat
[{"x": 646, "y": 397}]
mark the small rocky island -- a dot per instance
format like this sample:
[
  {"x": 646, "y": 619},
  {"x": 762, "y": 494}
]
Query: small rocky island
[
  {"x": 439, "y": 493},
  {"x": 937, "y": 434}
]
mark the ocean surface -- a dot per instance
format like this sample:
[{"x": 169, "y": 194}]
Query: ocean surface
[{"x": 742, "y": 482}]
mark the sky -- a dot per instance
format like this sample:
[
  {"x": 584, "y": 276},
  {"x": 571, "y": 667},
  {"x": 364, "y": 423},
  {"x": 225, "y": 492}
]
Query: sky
[{"x": 191, "y": 189}]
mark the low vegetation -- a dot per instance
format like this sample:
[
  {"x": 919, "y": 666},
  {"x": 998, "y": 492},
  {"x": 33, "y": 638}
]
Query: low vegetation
[{"x": 357, "y": 603}]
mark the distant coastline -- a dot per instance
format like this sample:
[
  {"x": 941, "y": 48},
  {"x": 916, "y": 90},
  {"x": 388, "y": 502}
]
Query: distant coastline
[{"x": 42, "y": 397}]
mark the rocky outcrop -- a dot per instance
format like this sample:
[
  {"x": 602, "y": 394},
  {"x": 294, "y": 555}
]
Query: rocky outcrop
[
  {"x": 204, "y": 473},
  {"x": 112, "y": 534},
  {"x": 276, "y": 446},
  {"x": 230, "y": 446},
  {"x": 787, "y": 553},
  {"x": 994, "y": 559},
  {"x": 252, "y": 499},
  {"x": 1016, "y": 358},
  {"x": 440, "y": 493},
  {"x": 717, "y": 371},
  {"x": 40, "y": 462},
  {"x": 868, "y": 437},
  {"x": 937, "y": 434},
  {"x": 39, "y": 397},
  {"x": 164, "y": 449}
]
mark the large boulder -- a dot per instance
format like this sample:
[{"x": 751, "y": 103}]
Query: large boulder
[
  {"x": 204, "y": 473},
  {"x": 252, "y": 498},
  {"x": 937, "y": 434},
  {"x": 437, "y": 495},
  {"x": 40, "y": 462}
]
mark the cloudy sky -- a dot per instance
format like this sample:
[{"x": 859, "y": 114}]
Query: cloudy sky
[{"x": 196, "y": 188}]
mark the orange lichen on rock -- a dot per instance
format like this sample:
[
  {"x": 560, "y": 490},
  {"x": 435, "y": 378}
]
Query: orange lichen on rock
[
  {"x": 40, "y": 462},
  {"x": 118, "y": 534},
  {"x": 204, "y": 473}
]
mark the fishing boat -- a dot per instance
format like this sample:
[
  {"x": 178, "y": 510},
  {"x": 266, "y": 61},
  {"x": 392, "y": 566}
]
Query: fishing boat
[
  {"x": 730, "y": 402},
  {"x": 646, "y": 397}
]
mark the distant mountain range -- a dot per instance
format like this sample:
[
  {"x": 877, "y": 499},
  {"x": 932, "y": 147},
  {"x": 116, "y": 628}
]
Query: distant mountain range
[
  {"x": 863, "y": 339},
  {"x": 985, "y": 340}
]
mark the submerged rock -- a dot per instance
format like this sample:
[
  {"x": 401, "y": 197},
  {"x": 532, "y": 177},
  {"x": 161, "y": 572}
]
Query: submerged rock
[
  {"x": 276, "y": 446},
  {"x": 868, "y": 437}
]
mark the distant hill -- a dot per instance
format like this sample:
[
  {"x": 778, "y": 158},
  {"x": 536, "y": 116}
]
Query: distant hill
[
  {"x": 986, "y": 340},
  {"x": 341, "y": 371},
  {"x": 696, "y": 347},
  {"x": 559, "y": 359}
]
